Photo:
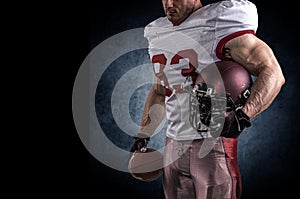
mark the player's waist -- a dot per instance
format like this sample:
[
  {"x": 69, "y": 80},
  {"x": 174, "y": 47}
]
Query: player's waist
[{"x": 190, "y": 133}]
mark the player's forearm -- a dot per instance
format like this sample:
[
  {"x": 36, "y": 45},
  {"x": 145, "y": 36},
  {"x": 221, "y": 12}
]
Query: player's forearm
[
  {"x": 154, "y": 111},
  {"x": 264, "y": 90}
]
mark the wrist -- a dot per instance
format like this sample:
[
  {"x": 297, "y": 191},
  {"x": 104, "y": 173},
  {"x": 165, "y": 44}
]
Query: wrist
[{"x": 247, "y": 113}]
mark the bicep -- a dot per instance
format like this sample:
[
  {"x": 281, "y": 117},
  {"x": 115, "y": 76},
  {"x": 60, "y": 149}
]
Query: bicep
[{"x": 251, "y": 52}]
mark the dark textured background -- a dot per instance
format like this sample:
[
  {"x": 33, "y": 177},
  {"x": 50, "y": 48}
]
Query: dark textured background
[{"x": 268, "y": 151}]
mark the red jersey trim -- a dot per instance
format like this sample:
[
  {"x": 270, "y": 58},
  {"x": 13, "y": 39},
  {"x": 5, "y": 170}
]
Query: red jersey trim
[{"x": 221, "y": 44}]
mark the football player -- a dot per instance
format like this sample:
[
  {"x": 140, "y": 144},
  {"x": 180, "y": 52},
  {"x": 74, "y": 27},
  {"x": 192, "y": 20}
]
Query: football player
[{"x": 181, "y": 44}]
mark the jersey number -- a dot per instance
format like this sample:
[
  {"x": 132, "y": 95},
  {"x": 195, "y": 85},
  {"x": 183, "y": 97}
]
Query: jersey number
[{"x": 186, "y": 72}]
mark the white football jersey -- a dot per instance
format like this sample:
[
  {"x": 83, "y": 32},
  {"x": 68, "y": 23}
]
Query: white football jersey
[{"x": 179, "y": 51}]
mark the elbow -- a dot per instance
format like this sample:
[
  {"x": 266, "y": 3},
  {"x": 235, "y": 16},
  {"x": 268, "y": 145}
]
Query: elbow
[
  {"x": 159, "y": 90},
  {"x": 158, "y": 94},
  {"x": 281, "y": 78},
  {"x": 277, "y": 74},
  {"x": 281, "y": 82}
]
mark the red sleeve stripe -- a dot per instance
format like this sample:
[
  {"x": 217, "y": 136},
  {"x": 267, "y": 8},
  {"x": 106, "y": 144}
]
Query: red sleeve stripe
[{"x": 221, "y": 44}]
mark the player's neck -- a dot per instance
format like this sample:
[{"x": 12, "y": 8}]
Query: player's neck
[{"x": 196, "y": 7}]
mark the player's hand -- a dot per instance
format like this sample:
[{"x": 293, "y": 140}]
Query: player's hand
[
  {"x": 235, "y": 122},
  {"x": 140, "y": 143}
]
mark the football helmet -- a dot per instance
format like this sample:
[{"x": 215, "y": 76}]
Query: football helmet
[{"x": 220, "y": 88}]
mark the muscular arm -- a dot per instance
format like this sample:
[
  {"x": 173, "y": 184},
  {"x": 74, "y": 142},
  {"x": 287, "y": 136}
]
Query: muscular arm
[
  {"x": 154, "y": 109},
  {"x": 258, "y": 58}
]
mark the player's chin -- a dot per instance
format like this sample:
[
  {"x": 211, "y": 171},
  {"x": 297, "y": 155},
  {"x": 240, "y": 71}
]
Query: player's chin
[{"x": 173, "y": 18}]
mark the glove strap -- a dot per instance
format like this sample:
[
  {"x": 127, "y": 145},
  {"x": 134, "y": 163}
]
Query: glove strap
[{"x": 242, "y": 98}]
